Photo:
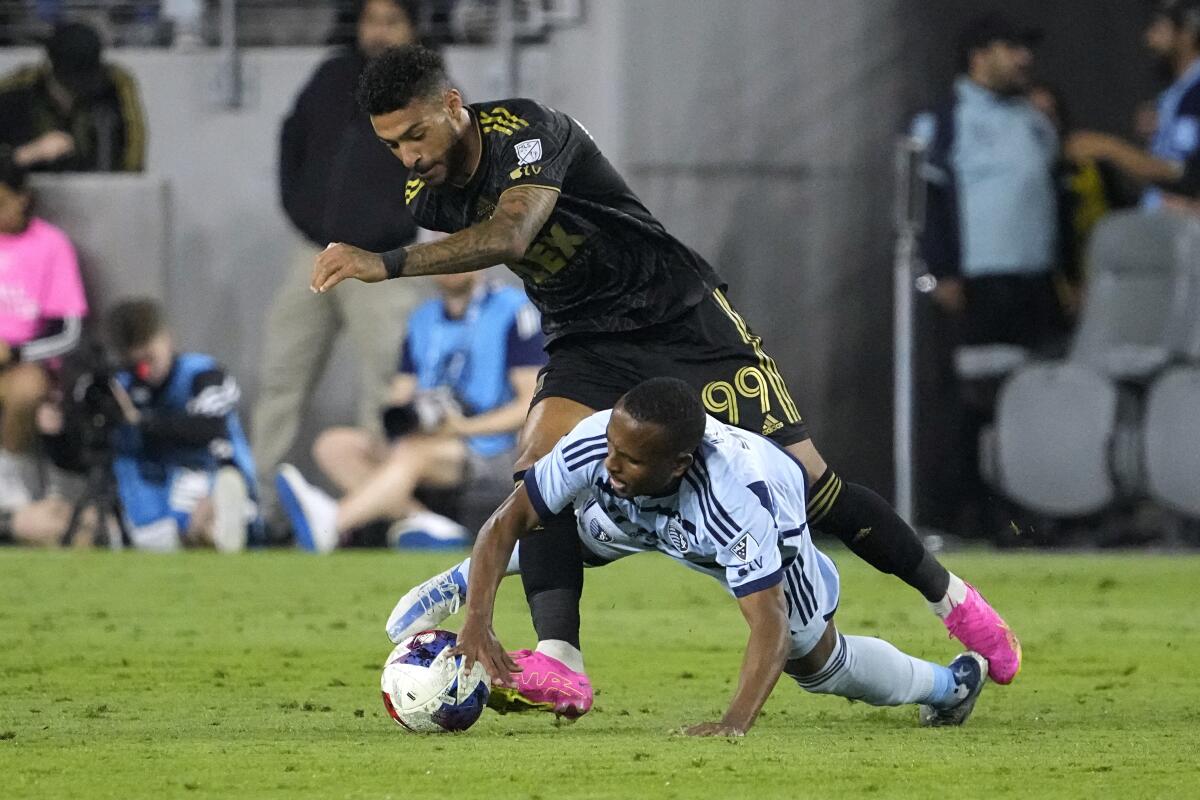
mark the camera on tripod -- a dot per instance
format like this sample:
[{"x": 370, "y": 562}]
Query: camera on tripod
[
  {"x": 93, "y": 408},
  {"x": 91, "y": 416}
]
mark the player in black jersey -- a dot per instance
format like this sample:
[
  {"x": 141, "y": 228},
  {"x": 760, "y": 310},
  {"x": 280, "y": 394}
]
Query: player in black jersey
[{"x": 518, "y": 183}]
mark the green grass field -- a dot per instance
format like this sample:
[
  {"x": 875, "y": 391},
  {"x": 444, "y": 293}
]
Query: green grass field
[{"x": 130, "y": 675}]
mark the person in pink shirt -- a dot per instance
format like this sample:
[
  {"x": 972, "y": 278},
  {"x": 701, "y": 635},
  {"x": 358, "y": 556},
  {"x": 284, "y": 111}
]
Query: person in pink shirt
[{"x": 41, "y": 310}]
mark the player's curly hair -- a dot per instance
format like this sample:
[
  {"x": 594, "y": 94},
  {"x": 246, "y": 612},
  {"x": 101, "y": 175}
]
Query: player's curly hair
[
  {"x": 399, "y": 75},
  {"x": 671, "y": 404},
  {"x": 133, "y": 322}
]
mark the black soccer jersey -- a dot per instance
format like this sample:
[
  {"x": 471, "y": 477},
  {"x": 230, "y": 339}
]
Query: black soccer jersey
[{"x": 602, "y": 262}]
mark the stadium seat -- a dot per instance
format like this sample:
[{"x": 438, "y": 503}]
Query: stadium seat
[
  {"x": 1171, "y": 428},
  {"x": 1067, "y": 439},
  {"x": 1137, "y": 294},
  {"x": 119, "y": 223},
  {"x": 1171, "y": 437},
  {"x": 1054, "y": 428}
]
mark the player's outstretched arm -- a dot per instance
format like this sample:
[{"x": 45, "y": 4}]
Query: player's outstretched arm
[
  {"x": 520, "y": 214},
  {"x": 766, "y": 653},
  {"x": 477, "y": 641}
]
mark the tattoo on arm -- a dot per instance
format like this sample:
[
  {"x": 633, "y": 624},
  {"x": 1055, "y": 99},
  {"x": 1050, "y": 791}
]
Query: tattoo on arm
[{"x": 520, "y": 214}]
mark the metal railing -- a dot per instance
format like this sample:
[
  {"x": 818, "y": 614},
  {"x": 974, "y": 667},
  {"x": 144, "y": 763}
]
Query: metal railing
[
  {"x": 202, "y": 23},
  {"x": 909, "y": 222}
]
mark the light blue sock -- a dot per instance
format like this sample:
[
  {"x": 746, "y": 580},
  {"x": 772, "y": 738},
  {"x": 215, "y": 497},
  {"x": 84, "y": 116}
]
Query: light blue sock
[{"x": 943, "y": 694}]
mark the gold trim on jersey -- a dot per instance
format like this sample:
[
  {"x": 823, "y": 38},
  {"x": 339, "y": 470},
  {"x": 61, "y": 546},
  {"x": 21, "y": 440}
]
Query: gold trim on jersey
[
  {"x": 21, "y": 78},
  {"x": 765, "y": 361},
  {"x": 411, "y": 189},
  {"x": 501, "y": 120},
  {"x": 134, "y": 159}
]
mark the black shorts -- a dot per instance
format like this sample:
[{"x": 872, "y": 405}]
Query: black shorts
[{"x": 710, "y": 346}]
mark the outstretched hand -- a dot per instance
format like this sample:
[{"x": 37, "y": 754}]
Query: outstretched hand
[
  {"x": 478, "y": 644},
  {"x": 713, "y": 729},
  {"x": 337, "y": 262}
]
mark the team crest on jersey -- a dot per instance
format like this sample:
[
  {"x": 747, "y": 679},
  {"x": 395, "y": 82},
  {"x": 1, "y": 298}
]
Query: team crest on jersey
[
  {"x": 677, "y": 535},
  {"x": 741, "y": 547},
  {"x": 529, "y": 151},
  {"x": 597, "y": 531}
]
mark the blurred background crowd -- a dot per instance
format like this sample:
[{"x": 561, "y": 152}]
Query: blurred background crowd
[{"x": 169, "y": 170}]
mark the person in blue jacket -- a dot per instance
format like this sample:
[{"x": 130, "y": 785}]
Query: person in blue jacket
[{"x": 183, "y": 467}]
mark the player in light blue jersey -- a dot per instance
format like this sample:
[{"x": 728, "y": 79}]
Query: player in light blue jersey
[{"x": 656, "y": 473}]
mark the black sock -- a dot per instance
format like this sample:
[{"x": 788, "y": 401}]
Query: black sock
[
  {"x": 6, "y": 531},
  {"x": 875, "y": 533},
  {"x": 552, "y": 572}
]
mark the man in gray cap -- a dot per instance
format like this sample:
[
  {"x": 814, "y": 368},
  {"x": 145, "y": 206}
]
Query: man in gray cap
[{"x": 74, "y": 113}]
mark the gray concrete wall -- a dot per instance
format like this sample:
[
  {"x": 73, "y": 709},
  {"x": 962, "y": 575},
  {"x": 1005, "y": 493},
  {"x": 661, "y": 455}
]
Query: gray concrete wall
[
  {"x": 734, "y": 123},
  {"x": 759, "y": 131},
  {"x": 761, "y": 136}
]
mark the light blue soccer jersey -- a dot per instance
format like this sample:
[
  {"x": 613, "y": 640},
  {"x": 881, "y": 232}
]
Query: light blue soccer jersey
[
  {"x": 473, "y": 354},
  {"x": 1177, "y": 137},
  {"x": 738, "y": 516}
]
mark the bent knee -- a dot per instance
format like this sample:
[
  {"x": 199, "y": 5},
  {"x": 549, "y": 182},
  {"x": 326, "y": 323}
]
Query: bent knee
[
  {"x": 335, "y": 443},
  {"x": 25, "y": 385}
]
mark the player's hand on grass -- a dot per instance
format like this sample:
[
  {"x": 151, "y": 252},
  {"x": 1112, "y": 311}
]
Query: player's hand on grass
[
  {"x": 478, "y": 644},
  {"x": 714, "y": 729},
  {"x": 337, "y": 262}
]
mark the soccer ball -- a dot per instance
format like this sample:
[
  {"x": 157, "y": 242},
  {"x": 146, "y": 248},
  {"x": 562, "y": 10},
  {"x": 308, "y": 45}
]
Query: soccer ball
[{"x": 426, "y": 689}]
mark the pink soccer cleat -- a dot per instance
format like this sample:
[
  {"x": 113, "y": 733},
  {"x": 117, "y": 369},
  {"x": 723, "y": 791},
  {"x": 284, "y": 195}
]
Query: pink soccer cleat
[
  {"x": 977, "y": 625},
  {"x": 544, "y": 684}
]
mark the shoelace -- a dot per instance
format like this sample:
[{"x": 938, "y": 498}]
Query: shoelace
[{"x": 447, "y": 588}]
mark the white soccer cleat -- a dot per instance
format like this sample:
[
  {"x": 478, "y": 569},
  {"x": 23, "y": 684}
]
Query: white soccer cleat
[
  {"x": 312, "y": 512},
  {"x": 429, "y": 604},
  {"x": 230, "y": 501}
]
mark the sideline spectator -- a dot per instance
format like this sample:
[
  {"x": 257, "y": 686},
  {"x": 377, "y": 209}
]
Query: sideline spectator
[
  {"x": 183, "y": 466},
  {"x": 467, "y": 374},
  {"x": 75, "y": 113},
  {"x": 41, "y": 308},
  {"x": 1087, "y": 191},
  {"x": 338, "y": 185},
  {"x": 991, "y": 235},
  {"x": 1173, "y": 36}
]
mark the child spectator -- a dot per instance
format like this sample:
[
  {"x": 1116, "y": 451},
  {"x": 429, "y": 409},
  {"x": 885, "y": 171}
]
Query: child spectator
[{"x": 41, "y": 309}]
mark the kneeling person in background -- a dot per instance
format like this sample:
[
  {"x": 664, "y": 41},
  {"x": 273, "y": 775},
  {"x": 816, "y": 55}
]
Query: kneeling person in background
[
  {"x": 183, "y": 466},
  {"x": 467, "y": 373}
]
